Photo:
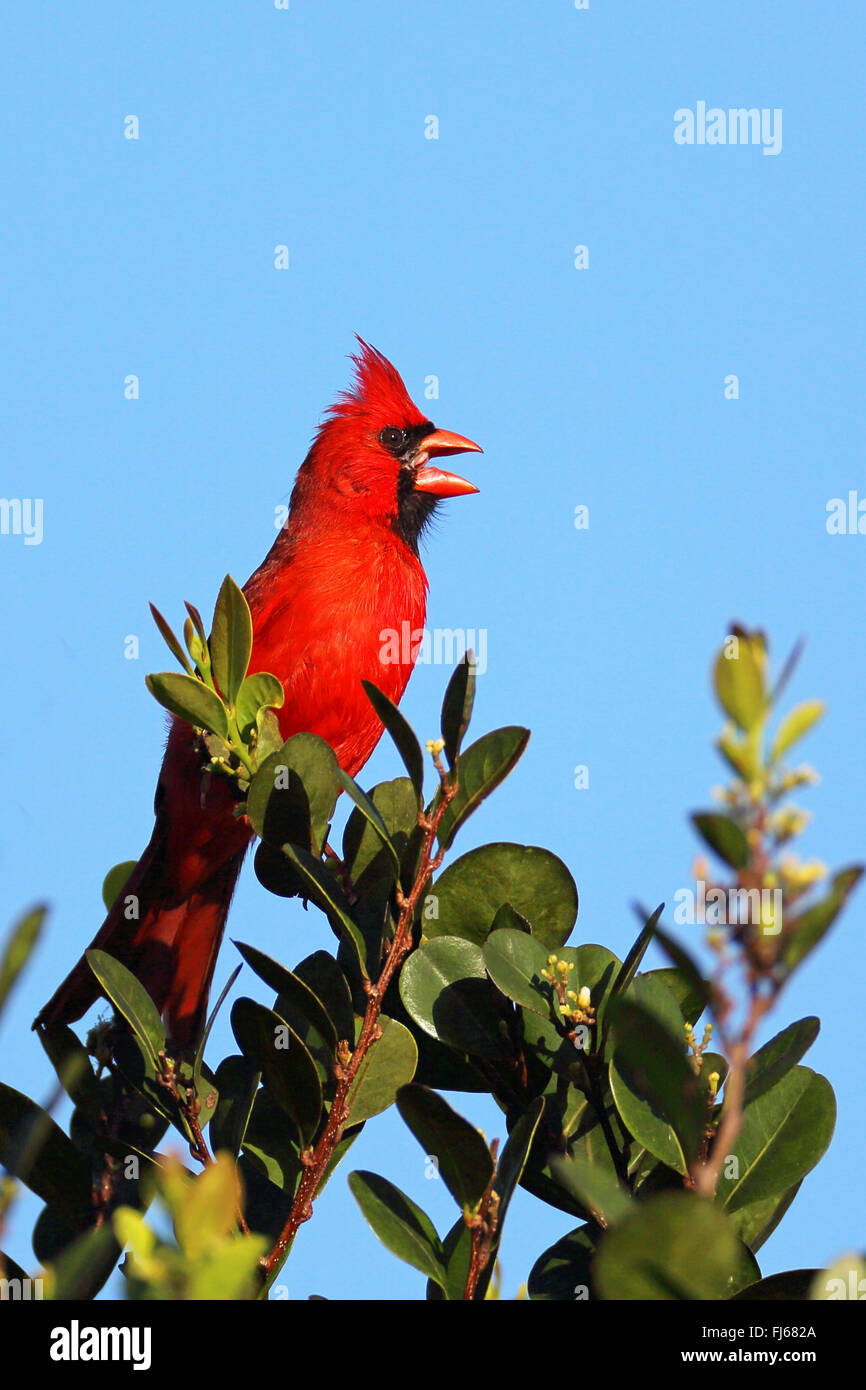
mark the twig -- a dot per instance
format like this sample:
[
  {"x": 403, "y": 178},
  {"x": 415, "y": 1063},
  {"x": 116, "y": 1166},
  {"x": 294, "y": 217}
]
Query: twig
[
  {"x": 482, "y": 1224},
  {"x": 348, "y": 1064},
  {"x": 705, "y": 1175},
  {"x": 190, "y": 1107},
  {"x": 346, "y": 883}
]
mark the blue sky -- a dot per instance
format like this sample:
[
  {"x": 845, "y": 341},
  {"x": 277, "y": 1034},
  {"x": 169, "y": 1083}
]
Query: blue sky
[{"x": 601, "y": 386}]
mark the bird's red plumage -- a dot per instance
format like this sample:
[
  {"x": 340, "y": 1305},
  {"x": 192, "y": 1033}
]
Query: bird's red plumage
[{"x": 337, "y": 579}]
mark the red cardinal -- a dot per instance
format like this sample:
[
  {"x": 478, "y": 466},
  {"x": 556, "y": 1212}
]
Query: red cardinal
[{"x": 344, "y": 567}]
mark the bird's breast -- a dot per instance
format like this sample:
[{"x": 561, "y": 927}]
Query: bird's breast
[{"x": 331, "y": 617}]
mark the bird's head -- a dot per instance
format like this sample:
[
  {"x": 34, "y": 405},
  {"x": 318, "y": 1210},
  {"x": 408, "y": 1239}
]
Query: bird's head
[{"x": 374, "y": 448}]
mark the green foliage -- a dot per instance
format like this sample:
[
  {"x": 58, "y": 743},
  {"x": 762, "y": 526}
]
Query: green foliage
[
  {"x": 22, "y": 942},
  {"x": 454, "y": 978},
  {"x": 232, "y": 711}
]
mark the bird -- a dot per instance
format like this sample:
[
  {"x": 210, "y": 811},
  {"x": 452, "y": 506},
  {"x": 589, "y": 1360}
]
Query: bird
[{"x": 344, "y": 569}]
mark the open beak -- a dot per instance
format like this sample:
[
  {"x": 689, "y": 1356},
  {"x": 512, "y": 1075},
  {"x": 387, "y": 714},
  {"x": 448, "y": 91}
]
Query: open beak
[{"x": 436, "y": 480}]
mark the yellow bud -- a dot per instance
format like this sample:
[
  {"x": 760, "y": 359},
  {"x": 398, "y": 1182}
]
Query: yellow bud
[{"x": 584, "y": 997}]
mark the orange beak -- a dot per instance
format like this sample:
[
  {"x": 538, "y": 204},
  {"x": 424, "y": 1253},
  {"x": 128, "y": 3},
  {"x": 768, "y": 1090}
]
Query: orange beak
[{"x": 436, "y": 480}]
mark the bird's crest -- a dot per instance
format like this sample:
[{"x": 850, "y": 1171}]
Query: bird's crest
[{"x": 378, "y": 391}]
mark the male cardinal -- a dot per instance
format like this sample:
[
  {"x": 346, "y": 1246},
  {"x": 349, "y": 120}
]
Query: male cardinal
[{"x": 343, "y": 568}]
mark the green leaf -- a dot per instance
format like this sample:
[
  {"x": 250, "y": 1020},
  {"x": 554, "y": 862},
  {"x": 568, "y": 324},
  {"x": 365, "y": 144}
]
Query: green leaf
[
  {"x": 485, "y": 764},
  {"x": 131, "y": 999},
  {"x": 196, "y": 619},
  {"x": 795, "y": 725},
  {"x": 200, "y": 1080},
  {"x": 509, "y": 1171},
  {"x": 457, "y": 707},
  {"x": 231, "y": 641},
  {"x": 656, "y": 1092},
  {"x": 792, "y": 1286},
  {"x": 35, "y": 1150},
  {"x": 191, "y": 700},
  {"x": 389, "y": 1064},
  {"x": 72, "y": 1065},
  {"x": 402, "y": 1227},
  {"x": 514, "y": 962},
  {"x": 81, "y": 1269},
  {"x": 674, "y": 1246},
  {"x": 784, "y": 1133},
  {"x": 788, "y": 670},
  {"x": 322, "y": 889},
  {"x": 631, "y": 964},
  {"x": 772, "y": 1061},
  {"x": 462, "y": 1157},
  {"x": 444, "y": 987},
  {"x": 10, "y": 1269},
  {"x": 693, "y": 992},
  {"x": 230, "y": 1271},
  {"x": 442, "y": 1068},
  {"x": 756, "y": 1222},
  {"x": 288, "y": 1071},
  {"x": 22, "y": 941},
  {"x": 115, "y": 881},
  {"x": 515, "y": 1155},
  {"x": 535, "y": 882},
  {"x": 258, "y": 692},
  {"x": 198, "y": 1062},
  {"x": 209, "y": 1207},
  {"x": 284, "y": 983},
  {"x": 724, "y": 836},
  {"x": 237, "y": 1080},
  {"x": 321, "y": 973},
  {"x": 595, "y": 1187},
  {"x": 134, "y": 1060},
  {"x": 271, "y": 1149},
  {"x": 457, "y": 1257},
  {"x": 593, "y": 966},
  {"x": 170, "y": 640},
  {"x": 741, "y": 754},
  {"x": 401, "y": 732},
  {"x": 739, "y": 682},
  {"x": 360, "y": 849},
  {"x": 652, "y": 993},
  {"x": 292, "y": 797},
  {"x": 507, "y": 917},
  {"x": 712, "y": 1062},
  {"x": 802, "y": 935},
  {"x": 563, "y": 1273}
]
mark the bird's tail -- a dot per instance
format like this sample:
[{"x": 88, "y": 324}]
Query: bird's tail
[{"x": 169, "y": 940}]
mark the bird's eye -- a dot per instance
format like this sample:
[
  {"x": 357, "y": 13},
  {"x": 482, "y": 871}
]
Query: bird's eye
[{"x": 392, "y": 437}]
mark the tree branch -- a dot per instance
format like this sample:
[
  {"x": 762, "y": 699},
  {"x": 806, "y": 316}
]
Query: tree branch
[{"x": 348, "y": 1064}]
